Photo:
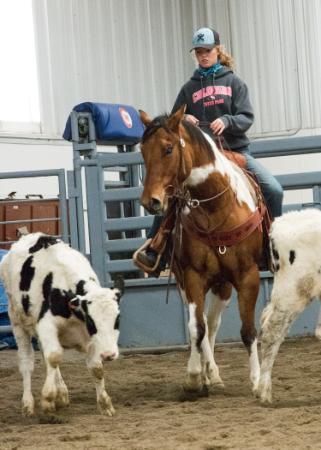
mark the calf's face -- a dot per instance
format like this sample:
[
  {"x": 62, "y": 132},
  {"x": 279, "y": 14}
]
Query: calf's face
[{"x": 100, "y": 312}]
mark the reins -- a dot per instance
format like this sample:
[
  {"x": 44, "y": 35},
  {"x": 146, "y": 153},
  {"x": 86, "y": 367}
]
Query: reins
[{"x": 194, "y": 203}]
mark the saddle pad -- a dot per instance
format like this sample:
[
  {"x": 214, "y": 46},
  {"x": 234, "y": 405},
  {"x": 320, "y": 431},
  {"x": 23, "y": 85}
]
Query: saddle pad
[
  {"x": 113, "y": 122},
  {"x": 236, "y": 157}
]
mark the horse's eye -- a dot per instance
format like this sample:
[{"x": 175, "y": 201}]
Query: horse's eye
[{"x": 169, "y": 150}]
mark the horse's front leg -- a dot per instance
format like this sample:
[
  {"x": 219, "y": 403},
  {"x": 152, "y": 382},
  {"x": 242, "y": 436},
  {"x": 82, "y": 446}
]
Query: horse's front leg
[
  {"x": 195, "y": 297},
  {"x": 247, "y": 290},
  {"x": 218, "y": 298}
]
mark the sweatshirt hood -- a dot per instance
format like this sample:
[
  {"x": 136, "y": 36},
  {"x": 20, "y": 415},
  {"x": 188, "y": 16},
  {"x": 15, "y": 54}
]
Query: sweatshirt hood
[{"x": 223, "y": 71}]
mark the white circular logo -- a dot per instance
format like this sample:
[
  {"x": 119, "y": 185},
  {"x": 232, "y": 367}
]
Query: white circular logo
[{"x": 126, "y": 117}]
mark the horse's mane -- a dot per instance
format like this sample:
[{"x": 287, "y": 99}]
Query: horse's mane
[{"x": 196, "y": 135}]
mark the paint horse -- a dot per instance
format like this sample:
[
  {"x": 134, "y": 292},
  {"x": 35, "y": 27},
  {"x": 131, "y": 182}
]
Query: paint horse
[{"x": 217, "y": 204}]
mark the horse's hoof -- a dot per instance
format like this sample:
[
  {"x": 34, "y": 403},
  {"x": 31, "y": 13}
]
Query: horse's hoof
[
  {"x": 265, "y": 401},
  {"x": 213, "y": 379},
  {"x": 217, "y": 382},
  {"x": 188, "y": 396},
  {"x": 204, "y": 392},
  {"x": 192, "y": 396},
  {"x": 193, "y": 383},
  {"x": 191, "y": 389},
  {"x": 255, "y": 392},
  {"x": 255, "y": 389},
  {"x": 28, "y": 406},
  {"x": 264, "y": 396}
]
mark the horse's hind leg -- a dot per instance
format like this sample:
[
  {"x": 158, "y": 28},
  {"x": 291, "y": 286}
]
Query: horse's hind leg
[
  {"x": 218, "y": 299},
  {"x": 248, "y": 289}
]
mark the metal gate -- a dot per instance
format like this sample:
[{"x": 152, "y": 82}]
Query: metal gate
[{"x": 108, "y": 224}]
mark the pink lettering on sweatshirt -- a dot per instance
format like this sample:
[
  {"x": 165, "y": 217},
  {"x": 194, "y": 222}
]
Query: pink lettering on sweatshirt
[{"x": 211, "y": 90}]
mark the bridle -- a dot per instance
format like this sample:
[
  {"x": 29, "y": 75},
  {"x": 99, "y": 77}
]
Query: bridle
[{"x": 179, "y": 190}]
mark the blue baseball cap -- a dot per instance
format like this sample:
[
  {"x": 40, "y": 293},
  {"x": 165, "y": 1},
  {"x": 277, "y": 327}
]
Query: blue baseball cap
[{"x": 205, "y": 38}]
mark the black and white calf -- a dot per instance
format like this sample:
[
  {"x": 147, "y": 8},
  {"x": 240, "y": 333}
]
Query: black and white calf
[
  {"x": 54, "y": 293},
  {"x": 295, "y": 249}
]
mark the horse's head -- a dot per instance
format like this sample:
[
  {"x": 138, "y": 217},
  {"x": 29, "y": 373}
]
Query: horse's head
[{"x": 167, "y": 160}]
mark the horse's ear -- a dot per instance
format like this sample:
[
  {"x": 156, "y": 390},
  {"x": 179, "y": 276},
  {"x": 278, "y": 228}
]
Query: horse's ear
[
  {"x": 175, "y": 118},
  {"x": 144, "y": 117}
]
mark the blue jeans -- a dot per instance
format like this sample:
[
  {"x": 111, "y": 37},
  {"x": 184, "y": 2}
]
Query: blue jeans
[
  {"x": 271, "y": 188},
  {"x": 155, "y": 226}
]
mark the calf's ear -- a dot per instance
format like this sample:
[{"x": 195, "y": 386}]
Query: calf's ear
[{"x": 119, "y": 284}]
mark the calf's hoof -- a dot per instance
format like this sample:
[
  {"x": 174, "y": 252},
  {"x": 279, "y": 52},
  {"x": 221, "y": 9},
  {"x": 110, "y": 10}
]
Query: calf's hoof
[
  {"x": 110, "y": 411},
  {"x": 105, "y": 406},
  {"x": 62, "y": 398}
]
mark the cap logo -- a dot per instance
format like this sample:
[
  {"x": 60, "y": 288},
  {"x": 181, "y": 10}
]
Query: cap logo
[{"x": 200, "y": 37}]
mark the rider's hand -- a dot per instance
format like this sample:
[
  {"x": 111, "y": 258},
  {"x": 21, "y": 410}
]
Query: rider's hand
[
  {"x": 191, "y": 119},
  {"x": 217, "y": 126}
]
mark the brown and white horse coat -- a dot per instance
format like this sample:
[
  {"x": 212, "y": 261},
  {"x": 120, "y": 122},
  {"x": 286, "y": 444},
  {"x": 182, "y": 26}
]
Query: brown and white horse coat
[{"x": 177, "y": 154}]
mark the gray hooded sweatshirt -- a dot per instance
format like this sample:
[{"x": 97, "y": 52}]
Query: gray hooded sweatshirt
[{"x": 224, "y": 96}]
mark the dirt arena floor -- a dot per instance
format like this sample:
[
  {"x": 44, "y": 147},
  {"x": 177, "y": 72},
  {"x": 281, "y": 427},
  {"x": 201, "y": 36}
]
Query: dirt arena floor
[{"x": 151, "y": 412}]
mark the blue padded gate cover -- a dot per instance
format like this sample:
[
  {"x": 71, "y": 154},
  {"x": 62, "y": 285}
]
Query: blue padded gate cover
[{"x": 113, "y": 122}]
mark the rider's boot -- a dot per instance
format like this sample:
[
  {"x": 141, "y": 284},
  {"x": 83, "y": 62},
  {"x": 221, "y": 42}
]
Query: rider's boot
[{"x": 152, "y": 261}]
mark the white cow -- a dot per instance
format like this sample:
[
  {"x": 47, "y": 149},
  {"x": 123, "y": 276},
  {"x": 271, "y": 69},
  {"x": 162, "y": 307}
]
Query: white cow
[
  {"x": 295, "y": 249},
  {"x": 54, "y": 293}
]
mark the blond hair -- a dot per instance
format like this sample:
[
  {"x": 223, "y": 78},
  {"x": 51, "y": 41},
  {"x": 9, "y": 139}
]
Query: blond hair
[{"x": 225, "y": 58}]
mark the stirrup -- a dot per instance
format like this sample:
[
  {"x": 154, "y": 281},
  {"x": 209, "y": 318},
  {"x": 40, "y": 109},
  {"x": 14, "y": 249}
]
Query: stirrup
[{"x": 147, "y": 269}]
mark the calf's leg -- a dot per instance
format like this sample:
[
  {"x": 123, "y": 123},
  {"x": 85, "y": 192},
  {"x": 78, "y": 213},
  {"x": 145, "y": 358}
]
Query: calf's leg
[
  {"x": 52, "y": 352},
  {"x": 103, "y": 400},
  {"x": 26, "y": 359},
  {"x": 276, "y": 320},
  {"x": 62, "y": 398}
]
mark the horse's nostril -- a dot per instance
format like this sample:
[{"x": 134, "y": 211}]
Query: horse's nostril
[{"x": 155, "y": 204}]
